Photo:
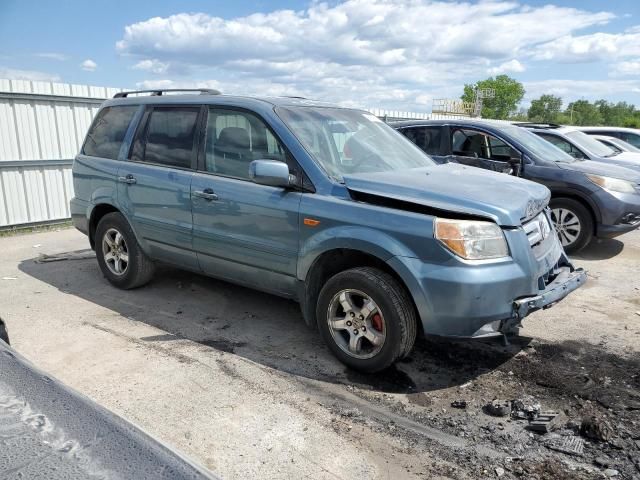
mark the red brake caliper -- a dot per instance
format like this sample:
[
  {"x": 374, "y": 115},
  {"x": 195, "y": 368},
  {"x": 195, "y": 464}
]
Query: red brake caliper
[{"x": 376, "y": 322}]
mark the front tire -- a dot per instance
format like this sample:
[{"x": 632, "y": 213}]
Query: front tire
[
  {"x": 573, "y": 223},
  {"x": 120, "y": 257},
  {"x": 366, "y": 318}
]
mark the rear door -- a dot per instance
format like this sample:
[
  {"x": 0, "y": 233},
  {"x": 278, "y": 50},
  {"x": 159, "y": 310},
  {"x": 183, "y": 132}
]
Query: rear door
[
  {"x": 155, "y": 184},
  {"x": 481, "y": 149},
  {"x": 243, "y": 231}
]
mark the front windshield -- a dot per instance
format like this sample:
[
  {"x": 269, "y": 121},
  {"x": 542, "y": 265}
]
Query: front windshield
[
  {"x": 346, "y": 141},
  {"x": 538, "y": 146},
  {"x": 590, "y": 144}
]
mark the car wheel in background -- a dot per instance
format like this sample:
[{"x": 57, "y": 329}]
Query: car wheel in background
[
  {"x": 573, "y": 223},
  {"x": 121, "y": 259},
  {"x": 366, "y": 318}
]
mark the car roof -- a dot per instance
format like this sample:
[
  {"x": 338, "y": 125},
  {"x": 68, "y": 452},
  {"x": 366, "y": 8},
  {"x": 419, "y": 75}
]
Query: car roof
[
  {"x": 610, "y": 129},
  {"x": 471, "y": 122},
  {"x": 212, "y": 98}
]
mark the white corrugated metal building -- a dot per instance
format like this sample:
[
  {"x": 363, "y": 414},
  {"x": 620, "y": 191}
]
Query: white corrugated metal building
[{"x": 42, "y": 125}]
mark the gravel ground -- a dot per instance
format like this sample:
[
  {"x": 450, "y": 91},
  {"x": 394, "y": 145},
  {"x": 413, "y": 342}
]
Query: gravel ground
[{"x": 233, "y": 379}]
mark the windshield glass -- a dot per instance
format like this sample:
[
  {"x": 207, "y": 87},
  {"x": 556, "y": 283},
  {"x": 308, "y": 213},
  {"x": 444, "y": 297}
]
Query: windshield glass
[
  {"x": 590, "y": 144},
  {"x": 349, "y": 141},
  {"x": 538, "y": 146}
]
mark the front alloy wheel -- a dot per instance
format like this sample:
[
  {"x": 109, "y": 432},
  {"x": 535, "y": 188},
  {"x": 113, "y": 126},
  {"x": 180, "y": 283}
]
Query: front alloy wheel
[
  {"x": 573, "y": 223},
  {"x": 567, "y": 225},
  {"x": 356, "y": 324},
  {"x": 367, "y": 318}
]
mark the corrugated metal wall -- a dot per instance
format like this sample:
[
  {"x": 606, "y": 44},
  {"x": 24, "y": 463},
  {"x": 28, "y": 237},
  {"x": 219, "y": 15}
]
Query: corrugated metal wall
[{"x": 42, "y": 125}]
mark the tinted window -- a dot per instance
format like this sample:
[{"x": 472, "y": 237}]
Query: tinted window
[
  {"x": 563, "y": 145},
  {"x": 470, "y": 143},
  {"x": 427, "y": 138},
  {"x": 107, "y": 132},
  {"x": 632, "y": 138},
  {"x": 234, "y": 139},
  {"x": 168, "y": 137}
]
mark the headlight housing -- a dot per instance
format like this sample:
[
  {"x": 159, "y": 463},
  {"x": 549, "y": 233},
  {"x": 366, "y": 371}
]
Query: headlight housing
[
  {"x": 612, "y": 184},
  {"x": 471, "y": 239}
]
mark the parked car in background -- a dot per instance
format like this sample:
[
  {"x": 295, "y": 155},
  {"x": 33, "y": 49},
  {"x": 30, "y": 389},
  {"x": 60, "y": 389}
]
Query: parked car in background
[
  {"x": 587, "y": 198},
  {"x": 629, "y": 135},
  {"x": 616, "y": 144},
  {"x": 52, "y": 432},
  {"x": 582, "y": 146},
  {"x": 328, "y": 206}
]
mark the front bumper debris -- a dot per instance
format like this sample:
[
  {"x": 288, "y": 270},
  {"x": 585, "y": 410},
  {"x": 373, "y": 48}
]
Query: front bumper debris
[{"x": 565, "y": 282}]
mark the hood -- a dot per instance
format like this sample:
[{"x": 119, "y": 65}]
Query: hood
[
  {"x": 457, "y": 188},
  {"x": 607, "y": 168}
]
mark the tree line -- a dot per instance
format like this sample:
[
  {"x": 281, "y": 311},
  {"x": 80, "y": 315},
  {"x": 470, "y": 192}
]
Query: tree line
[{"x": 549, "y": 108}]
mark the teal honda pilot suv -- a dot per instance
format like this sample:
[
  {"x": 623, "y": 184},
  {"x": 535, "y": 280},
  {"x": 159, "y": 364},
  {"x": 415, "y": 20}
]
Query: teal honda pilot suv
[{"x": 325, "y": 205}]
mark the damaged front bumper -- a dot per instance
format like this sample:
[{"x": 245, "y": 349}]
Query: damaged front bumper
[{"x": 566, "y": 279}]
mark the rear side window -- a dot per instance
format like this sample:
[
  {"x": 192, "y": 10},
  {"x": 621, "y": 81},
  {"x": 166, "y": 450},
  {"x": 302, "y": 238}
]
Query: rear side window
[
  {"x": 632, "y": 138},
  {"x": 427, "y": 138},
  {"x": 107, "y": 132},
  {"x": 168, "y": 138}
]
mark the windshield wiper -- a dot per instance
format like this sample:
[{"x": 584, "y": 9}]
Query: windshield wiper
[{"x": 612, "y": 154}]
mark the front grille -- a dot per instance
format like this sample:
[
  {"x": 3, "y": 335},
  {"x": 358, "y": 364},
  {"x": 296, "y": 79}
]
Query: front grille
[{"x": 538, "y": 229}]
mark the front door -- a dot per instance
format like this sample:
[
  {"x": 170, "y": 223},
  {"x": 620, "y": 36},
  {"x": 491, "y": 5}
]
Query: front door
[
  {"x": 481, "y": 149},
  {"x": 242, "y": 231},
  {"x": 155, "y": 184}
]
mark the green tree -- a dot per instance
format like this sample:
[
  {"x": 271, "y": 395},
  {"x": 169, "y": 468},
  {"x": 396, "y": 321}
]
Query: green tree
[
  {"x": 545, "y": 109},
  {"x": 509, "y": 93},
  {"x": 582, "y": 112}
]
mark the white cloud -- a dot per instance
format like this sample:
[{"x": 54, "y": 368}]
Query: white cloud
[
  {"x": 89, "y": 65},
  {"x": 512, "y": 66},
  {"x": 61, "y": 57},
  {"x": 15, "y": 74},
  {"x": 590, "y": 48},
  {"x": 369, "y": 53},
  {"x": 152, "y": 65},
  {"x": 627, "y": 68}
]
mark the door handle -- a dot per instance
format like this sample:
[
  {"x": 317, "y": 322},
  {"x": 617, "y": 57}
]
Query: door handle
[
  {"x": 130, "y": 179},
  {"x": 207, "y": 194}
]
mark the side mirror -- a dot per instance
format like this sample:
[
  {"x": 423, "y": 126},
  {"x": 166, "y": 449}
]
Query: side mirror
[{"x": 273, "y": 173}]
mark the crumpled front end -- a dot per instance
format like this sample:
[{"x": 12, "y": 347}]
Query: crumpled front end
[{"x": 490, "y": 298}]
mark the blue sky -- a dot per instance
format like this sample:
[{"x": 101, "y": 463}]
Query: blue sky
[{"x": 377, "y": 53}]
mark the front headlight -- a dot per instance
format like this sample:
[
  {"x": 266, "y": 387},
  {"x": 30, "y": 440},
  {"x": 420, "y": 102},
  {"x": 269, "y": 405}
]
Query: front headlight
[
  {"x": 471, "y": 239},
  {"x": 613, "y": 184}
]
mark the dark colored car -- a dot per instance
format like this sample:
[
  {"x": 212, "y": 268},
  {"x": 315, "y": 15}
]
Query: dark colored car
[
  {"x": 587, "y": 198},
  {"x": 48, "y": 431}
]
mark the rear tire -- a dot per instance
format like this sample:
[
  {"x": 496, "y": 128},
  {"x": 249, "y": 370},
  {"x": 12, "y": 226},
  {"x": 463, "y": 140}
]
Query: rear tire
[
  {"x": 573, "y": 223},
  {"x": 383, "y": 317},
  {"x": 120, "y": 257}
]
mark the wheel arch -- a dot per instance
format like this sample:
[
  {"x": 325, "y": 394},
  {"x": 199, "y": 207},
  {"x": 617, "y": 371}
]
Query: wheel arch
[
  {"x": 97, "y": 212},
  {"x": 333, "y": 261},
  {"x": 590, "y": 206}
]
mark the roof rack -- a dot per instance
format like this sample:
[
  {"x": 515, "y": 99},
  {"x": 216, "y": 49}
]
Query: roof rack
[
  {"x": 537, "y": 124},
  {"x": 160, "y": 91}
]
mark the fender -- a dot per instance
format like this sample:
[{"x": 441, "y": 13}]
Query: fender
[
  {"x": 570, "y": 192},
  {"x": 364, "y": 239}
]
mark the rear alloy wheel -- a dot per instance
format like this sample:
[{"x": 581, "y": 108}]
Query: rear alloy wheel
[
  {"x": 573, "y": 223},
  {"x": 366, "y": 318},
  {"x": 120, "y": 257}
]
